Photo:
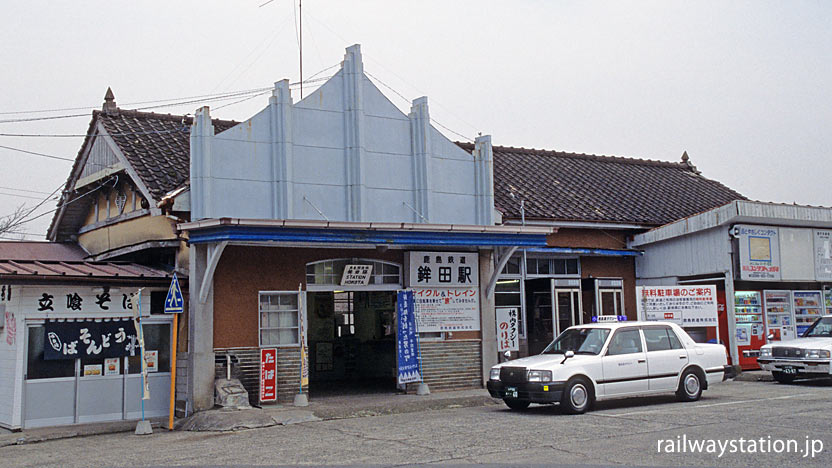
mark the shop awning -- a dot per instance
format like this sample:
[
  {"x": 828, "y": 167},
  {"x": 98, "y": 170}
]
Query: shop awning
[
  {"x": 339, "y": 232},
  {"x": 586, "y": 252}
]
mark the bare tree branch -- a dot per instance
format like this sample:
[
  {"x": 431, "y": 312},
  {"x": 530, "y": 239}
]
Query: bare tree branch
[{"x": 9, "y": 222}]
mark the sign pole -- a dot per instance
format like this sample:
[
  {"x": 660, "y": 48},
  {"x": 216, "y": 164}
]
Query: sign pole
[
  {"x": 173, "y": 371},
  {"x": 174, "y": 304},
  {"x": 144, "y": 427},
  {"x": 300, "y": 398}
]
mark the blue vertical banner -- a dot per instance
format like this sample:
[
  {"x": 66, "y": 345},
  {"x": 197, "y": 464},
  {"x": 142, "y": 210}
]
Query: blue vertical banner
[{"x": 408, "y": 341}]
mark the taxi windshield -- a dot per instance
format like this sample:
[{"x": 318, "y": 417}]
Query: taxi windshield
[
  {"x": 580, "y": 341},
  {"x": 821, "y": 328}
]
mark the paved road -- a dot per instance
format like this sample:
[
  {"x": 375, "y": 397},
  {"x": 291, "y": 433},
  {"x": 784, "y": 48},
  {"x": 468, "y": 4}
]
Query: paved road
[{"x": 622, "y": 432}]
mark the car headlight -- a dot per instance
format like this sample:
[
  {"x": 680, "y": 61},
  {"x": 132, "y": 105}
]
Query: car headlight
[
  {"x": 817, "y": 353},
  {"x": 495, "y": 373},
  {"x": 765, "y": 352},
  {"x": 540, "y": 376}
]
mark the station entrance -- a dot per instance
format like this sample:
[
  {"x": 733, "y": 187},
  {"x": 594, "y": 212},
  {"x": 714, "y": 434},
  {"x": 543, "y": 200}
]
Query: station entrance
[{"x": 352, "y": 342}]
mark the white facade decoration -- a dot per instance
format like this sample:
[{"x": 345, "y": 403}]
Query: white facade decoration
[{"x": 343, "y": 153}]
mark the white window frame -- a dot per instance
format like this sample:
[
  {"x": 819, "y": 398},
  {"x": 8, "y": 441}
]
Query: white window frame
[{"x": 301, "y": 317}]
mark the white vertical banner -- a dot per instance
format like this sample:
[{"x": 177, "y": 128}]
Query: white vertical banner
[{"x": 507, "y": 329}]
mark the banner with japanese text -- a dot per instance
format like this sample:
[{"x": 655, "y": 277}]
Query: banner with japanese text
[
  {"x": 507, "y": 332},
  {"x": 89, "y": 339},
  {"x": 688, "y": 306},
  {"x": 407, "y": 340},
  {"x": 268, "y": 374},
  {"x": 447, "y": 309}
]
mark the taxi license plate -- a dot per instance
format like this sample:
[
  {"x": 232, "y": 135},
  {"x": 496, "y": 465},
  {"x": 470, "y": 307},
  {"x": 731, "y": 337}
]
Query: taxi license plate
[
  {"x": 511, "y": 392},
  {"x": 789, "y": 370}
]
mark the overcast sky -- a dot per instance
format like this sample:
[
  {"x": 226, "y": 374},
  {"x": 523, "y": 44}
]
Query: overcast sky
[{"x": 743, "y": 87}]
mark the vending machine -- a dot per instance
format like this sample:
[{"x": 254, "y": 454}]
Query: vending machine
[
  {"x": 779, "y": 316},
  {"x": 808, "y": 307},
  {"x": 827, "y": 298},
  {"x": 748, "y": 311}
]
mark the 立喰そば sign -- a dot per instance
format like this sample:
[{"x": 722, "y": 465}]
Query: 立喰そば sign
[
  {"x": 54, "y": 301},
  {"x": 447, "y": 309},
  {"x": 443, "y": 269},
  {"x": 688, "y": 306},
  {"x": 507, "y": 332},
  {"x": 356, "y": 275}
]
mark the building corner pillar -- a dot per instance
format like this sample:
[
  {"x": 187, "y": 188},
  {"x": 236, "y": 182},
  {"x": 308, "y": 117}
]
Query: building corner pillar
[
  {"x": 488, "y": 319},
  {"x": 200, "y": 334}
]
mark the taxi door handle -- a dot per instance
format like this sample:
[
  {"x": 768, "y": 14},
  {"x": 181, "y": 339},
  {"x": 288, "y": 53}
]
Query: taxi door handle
[
  {"x": 683, "y": 357},
  {"x": 642, "y": 361}
]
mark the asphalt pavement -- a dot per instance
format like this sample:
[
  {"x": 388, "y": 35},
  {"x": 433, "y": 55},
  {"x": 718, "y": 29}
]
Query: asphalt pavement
[{"x": 635, "y": 432}]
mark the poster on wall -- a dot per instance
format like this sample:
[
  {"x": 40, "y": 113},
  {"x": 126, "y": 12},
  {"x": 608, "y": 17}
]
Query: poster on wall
[
  {"x": 443, "y": 269},
  {"x": 89, "y": 339},
  {"x": 759, "y": 248},
  {"x": 507, "y": 333},
  {"x": 407, "y": 344},
  {"x": 823, "y": 255},
  {"x": 447, "y": 309},
  {"x": 112, "y": 366},
  {"x": 92, "y": 370},
  {"x": 268, "y": 374},
  {"x": 688, "y": 306},
  {"x": 152, "y": 359}
]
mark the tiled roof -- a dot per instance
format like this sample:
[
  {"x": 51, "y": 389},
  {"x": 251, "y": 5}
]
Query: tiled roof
[
  {"x": 78, "y": 270},
  {"x": 156, "y": 145},
  {"x": 607, "y": 189},
  {"x": 51, "y": 251}
]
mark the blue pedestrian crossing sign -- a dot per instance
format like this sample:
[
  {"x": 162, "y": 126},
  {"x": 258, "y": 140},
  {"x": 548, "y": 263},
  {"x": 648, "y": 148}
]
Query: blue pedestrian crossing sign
[{"x": 174, "y": 303}]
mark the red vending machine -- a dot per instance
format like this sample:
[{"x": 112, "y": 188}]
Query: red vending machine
[{"x": 748, "y": 311}]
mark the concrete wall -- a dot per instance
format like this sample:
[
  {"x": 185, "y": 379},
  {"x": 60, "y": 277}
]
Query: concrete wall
[{"x": 344, "y": 153}]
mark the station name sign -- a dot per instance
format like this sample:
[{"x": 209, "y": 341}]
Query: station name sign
[{"x": 443, "y": 269}]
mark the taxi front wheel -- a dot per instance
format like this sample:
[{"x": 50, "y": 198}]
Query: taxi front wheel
[
  {"x": 516, "y": 404},
  {"x": 577, "y": 396}
]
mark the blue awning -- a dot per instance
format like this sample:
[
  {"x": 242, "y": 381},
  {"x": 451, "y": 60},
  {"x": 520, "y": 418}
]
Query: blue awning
[
  {"x": 587, "y": 252},
  {"x": 236, "y": 233}
]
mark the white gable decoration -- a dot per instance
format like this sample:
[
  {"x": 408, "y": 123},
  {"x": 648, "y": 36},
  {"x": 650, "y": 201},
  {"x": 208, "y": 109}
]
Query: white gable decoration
[{"x": 343, "y": 153}]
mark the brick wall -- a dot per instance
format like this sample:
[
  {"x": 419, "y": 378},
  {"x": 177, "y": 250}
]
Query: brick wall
[
  {"x": 451, "y": 364},
  {"x": 247, "y": 369}
]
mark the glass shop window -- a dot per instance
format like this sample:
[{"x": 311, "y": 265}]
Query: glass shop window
[
  {"x": 37, "y": 367},
  {"x": 157, "y": 349}
]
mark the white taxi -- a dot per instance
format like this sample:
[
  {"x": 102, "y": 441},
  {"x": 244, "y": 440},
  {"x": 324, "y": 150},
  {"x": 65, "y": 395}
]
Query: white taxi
[
  {"x": 593, "y": 362},
  {"x": 809, "y": 356}
]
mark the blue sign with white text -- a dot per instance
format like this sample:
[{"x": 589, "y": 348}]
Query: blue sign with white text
[
  {"x": 174, "y": 303},
  {"x": 408, "y": 345}
]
